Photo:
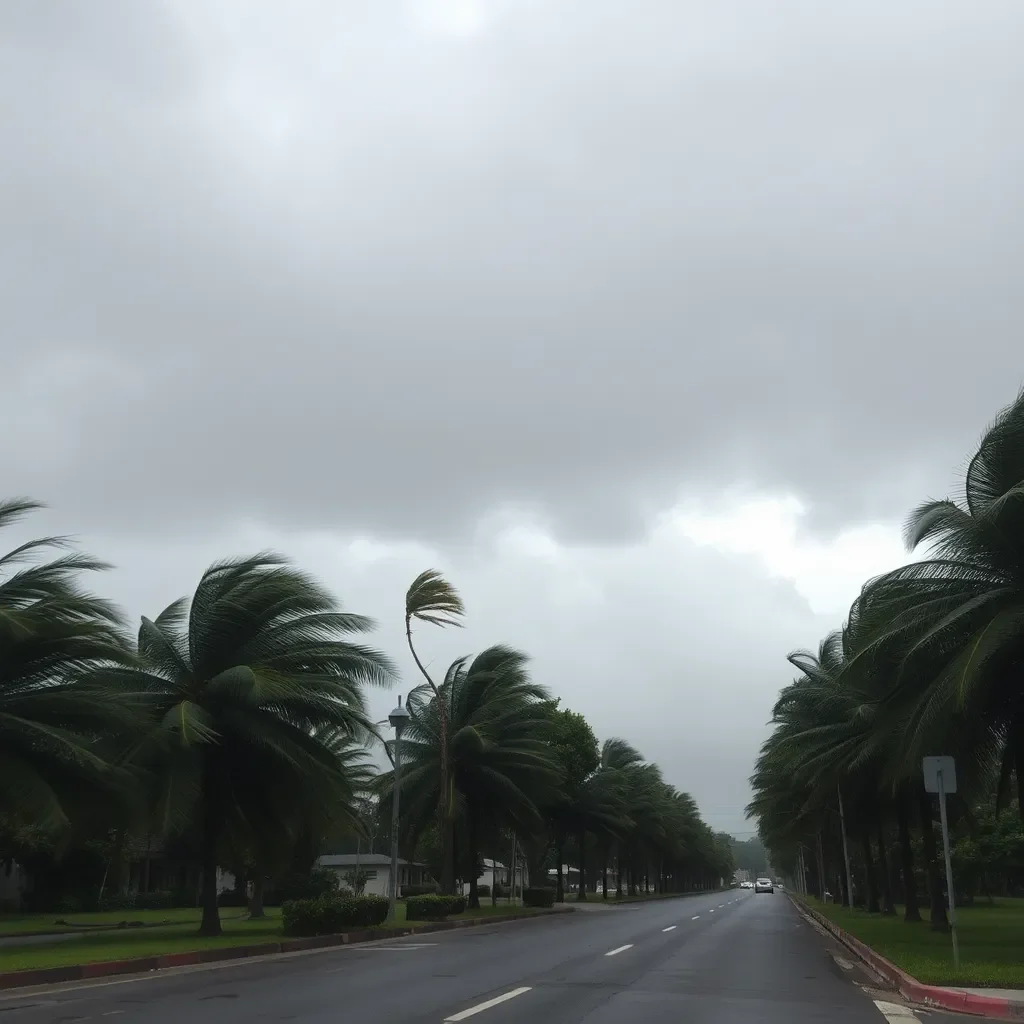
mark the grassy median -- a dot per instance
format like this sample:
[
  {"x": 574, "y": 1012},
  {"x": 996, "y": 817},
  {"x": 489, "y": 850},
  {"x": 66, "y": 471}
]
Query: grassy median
[
  {"x": 991, "y": 940},
  {"x": 179, "y": 936}
]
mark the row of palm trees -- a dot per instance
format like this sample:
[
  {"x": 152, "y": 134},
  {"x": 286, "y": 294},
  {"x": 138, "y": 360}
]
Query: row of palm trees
[
  {"x": 239, "y": 719},
  {"x": 928, "y": 662}
]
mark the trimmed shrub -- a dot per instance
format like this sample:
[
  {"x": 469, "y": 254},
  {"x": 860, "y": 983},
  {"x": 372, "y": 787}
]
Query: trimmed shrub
[
  {"x": 328, "y": 915},
  {"x": 159, "y": 899},
  {"x": 232, "y": 898},
  {"x": 69, "y": 905},
  {"x": 409, "y": 891},
  {"x": 310, "y": 886},
  {"x": 501, "y": 892},
  {"x": 539, "y": 897},
  {"x": 433, "y": 907},
  {"x": 483, "y": 890},
  {"x": 116, "y": 901}
]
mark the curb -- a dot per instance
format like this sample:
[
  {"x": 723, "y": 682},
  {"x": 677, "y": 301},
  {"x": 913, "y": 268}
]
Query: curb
[
  {"x": 910, "y": 988},
  {"x": 145, "y": 964}
]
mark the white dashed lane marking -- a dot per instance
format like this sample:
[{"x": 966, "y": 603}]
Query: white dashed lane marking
[
  {"x": 620, "y": 949},
  {"x": 670, "y": 928},
  {"x": 480, "y": 1007}
]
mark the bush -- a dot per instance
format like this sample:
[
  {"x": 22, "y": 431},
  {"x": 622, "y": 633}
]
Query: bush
[
  {"x": 183, "y": 898},
  {"x": 159, "y": 899},
  {"x": 501, "y": 892},
  {"x": 408, "y": 891},
  {"x": 310, "y": 886},
  {"x": 69, "y": 905},
  {"x": 327, "y": 915},
  {"x": 483, "y": 890},
  {"x": 433, "y": 907},
  {"x": 116, "y": 901},
  {"x": 539, "y": 897},
  {"x": 232, "y": 898}
]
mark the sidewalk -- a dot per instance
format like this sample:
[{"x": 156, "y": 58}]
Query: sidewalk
[{"x": 998, "y": 1003}]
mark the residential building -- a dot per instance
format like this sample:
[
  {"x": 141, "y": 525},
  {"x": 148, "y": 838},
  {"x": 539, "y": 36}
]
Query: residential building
[{"x": 377, "y": 868}]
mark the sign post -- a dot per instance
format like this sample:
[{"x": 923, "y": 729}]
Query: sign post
[{"x": 940, "y": 777}]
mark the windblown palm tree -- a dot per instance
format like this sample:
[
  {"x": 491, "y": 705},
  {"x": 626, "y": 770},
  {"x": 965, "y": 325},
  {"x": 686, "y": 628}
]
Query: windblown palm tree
[
  {"x": 54, "y": 727},
  {"x": 250, "y": 688},
  {"x": 499, "y": 765},
  {"x": 431, "y": 598}
]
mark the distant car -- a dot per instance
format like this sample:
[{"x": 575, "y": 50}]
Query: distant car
[
  {"x": 763, "y": 885},
  {"x": 746, "y": 885}
]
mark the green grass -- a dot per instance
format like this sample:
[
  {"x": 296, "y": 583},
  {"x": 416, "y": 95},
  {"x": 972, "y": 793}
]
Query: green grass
[
  {"x": 15, "y": 924},
  {"x": 178, "y": 938},
  {"x": 991, "y": 940}
]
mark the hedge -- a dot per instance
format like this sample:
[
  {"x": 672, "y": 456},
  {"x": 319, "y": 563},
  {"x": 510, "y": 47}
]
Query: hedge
[
  {"x": 433, "y": 907},
  {"x": 539, "y": 897},
  {"x": 418, "y": 890},
  {"x": 329, "y": 914}
]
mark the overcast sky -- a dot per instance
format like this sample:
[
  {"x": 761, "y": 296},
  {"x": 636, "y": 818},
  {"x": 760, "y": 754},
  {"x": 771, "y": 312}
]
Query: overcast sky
[{"x": 645, "y": 322}]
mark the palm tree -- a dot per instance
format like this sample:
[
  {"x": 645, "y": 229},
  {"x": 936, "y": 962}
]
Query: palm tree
[
  {"x": 431, "y": 598},
  {"x": 960, "y": 612},
  {"x": 55, "y": 728},
  {"x": 499, "y": 763},
  {"x": 248, "y": 689}
]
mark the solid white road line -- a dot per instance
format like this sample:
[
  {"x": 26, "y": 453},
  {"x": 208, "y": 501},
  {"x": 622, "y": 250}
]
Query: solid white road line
[
  {"x": 670, "y": 928},
  {"x": 695, "y": 916},
  {"x": 621, "y": 949},
  {"x": 895, "y": 1013},
  {"x": 480, "y": 1007}
]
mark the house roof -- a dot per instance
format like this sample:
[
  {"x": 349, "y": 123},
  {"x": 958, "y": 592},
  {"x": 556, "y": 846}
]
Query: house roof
[{"x": 350, "y": 860}]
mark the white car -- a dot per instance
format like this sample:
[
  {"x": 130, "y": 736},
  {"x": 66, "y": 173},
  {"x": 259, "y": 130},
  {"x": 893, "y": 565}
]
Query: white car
[{"x": 763, "y": 885}]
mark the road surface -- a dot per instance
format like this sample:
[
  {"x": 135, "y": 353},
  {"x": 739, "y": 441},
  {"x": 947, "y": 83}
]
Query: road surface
[{"x": 729, "y": 958}]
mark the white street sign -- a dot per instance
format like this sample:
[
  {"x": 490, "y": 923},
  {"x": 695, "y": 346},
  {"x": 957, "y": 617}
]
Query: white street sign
[{"x": 932, "y": 766}]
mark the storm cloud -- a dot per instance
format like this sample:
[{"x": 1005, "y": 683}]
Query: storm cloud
[{"x": 417, "y": 274}]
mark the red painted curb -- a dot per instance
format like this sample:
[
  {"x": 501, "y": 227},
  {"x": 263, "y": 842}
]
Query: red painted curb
[
  {"x": 914, "y": 990},
  {"x": 141, "y": 965}
]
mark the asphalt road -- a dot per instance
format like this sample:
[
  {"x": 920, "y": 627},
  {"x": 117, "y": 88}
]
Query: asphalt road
[{"x": 730, "y": 958}]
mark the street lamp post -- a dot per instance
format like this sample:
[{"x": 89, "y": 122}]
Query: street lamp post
[{"x": 398, "y": 719}]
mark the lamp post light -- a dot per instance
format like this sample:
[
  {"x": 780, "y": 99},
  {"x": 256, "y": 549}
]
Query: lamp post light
[{"x": 398, "y": 719}]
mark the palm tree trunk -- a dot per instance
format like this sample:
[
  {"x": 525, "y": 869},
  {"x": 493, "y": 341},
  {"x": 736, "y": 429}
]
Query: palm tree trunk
[
  {"x": 938, "y": 902},
  {"x": 559, "y": 880},
  {"x": 446, "y": 815},
  {"x": 869, "y": 873},
  {"x": 604, "y": 874},
  {"x": 581, "y": 896},
  {"x": 888, "y": 907},
  {"x": 472, "y": 858},
  {"x": 256, "y": 910},
  {"x": 912, "y": 910},
  {"x": 211, "y": 833}
]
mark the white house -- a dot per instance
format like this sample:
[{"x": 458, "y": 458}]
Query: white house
[{"x": 377, "y": 868}]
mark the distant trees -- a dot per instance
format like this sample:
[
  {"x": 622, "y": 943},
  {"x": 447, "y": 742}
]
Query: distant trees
[{"x": 232, "y": 730}]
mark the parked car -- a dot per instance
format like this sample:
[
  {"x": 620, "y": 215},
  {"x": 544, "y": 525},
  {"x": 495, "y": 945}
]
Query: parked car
[{"x": 763, "y": 885}]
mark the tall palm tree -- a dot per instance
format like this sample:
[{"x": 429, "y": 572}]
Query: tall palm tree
[
  {"x": 499, "y": 764},
  {"x": 55, "y": 728},
  {"x": 244, "y": 686},
  {"x": 431, "y": 598},
  {"x": 962, "y": 608}
]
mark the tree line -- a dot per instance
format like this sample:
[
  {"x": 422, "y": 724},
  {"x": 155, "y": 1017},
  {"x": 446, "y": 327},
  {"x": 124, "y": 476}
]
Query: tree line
[
  {"x": 928, "y": 662},
  {"x": 233, "y": 729}
]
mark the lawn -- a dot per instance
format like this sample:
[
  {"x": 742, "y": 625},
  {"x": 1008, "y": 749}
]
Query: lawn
[
  {"x": 991, "y": 943},
  {"x": 174, "y": 938},
  {"x": 18, "y": 924}
]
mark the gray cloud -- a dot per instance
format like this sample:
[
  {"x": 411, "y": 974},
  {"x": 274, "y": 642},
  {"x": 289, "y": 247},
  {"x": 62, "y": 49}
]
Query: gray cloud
[{"x": 344, "y": 269}]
